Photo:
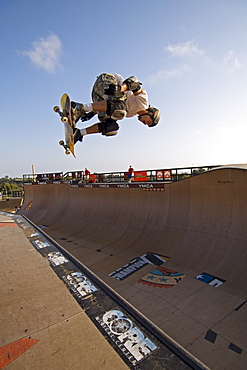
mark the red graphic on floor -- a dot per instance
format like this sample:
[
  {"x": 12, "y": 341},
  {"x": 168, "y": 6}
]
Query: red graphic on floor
[
  {"x": 13, "y": 350},
  {"x": 11, "y": 224}
]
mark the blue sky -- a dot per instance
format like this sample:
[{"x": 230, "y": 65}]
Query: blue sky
[{"x": 190, "y": 55}]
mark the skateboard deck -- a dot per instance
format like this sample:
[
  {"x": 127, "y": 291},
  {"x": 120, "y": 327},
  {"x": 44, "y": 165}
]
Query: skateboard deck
[{"x": 69, "y": 125}]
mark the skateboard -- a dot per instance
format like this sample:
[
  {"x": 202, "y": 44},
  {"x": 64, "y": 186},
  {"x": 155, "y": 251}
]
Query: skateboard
[{"x": 69, "y": 125}]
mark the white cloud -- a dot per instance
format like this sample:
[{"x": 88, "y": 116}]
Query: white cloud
[
  {"x": 188, "y": 51},
  {"x": 230, "y": 61},
  {"x": 45, "y": 53},
  {"x": 184, "y": 50},
  {"x": 168, "y": 74}
]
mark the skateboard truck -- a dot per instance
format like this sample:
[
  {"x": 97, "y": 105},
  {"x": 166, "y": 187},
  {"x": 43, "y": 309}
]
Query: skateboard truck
[{"x": 67, "y": 151}]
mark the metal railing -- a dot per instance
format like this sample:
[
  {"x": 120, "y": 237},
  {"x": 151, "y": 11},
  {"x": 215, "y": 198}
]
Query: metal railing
[{"x": 156, "y": 175}]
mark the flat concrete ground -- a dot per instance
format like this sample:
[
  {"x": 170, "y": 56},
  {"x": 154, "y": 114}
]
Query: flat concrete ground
[{"x": 47, "y": 327}]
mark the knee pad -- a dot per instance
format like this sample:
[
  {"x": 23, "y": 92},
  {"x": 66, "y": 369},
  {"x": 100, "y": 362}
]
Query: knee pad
[
  {"x": 118, "y": 114},
  {"x": 115, "y": 105},
  {"x": 108, "y": 127},
  {"x": 112, "y": 133}
]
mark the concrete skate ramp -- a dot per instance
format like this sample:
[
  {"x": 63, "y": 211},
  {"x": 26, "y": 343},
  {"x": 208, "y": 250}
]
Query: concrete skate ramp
[
  {"x": 198, "y": 223},
  {"x": 10, "y": 204}
]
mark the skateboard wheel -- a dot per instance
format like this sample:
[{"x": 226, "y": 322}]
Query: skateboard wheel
[
  {"x": 64, "y": 120},
  {"x": 56, "y": 109},
  {"x": 67, "y": 152},
  {"x": 61, "y": 142}
]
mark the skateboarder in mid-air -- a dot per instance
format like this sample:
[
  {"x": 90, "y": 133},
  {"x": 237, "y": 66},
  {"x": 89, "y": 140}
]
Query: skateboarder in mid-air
[{"x": 114, "y": 99}]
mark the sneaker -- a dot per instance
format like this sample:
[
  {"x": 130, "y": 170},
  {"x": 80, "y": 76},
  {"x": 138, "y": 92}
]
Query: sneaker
[
  {"x": 77, "y": 111},
  {"x": 77, "y": 135}
]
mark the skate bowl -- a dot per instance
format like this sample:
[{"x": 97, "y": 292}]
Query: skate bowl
[{"x": 178, "y": 255}]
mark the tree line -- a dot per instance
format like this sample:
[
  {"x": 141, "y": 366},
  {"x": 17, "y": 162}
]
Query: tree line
[{"x": 8, "y": 184}]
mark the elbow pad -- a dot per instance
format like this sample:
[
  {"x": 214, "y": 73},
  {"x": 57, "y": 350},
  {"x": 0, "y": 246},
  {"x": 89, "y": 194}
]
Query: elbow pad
[{"x": 133, "y": 83}]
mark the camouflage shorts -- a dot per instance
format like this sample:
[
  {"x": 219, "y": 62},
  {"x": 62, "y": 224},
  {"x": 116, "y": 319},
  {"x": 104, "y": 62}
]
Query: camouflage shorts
[{"x": 98, "y": 93}]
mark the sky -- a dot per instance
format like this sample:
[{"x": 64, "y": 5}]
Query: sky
[{"x": 190, "y": 55}]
